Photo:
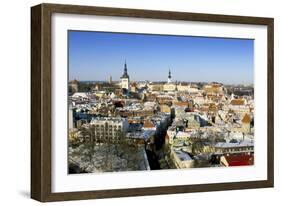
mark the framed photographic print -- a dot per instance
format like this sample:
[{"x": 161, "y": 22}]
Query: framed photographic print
[{"x": 128, "y": 102}]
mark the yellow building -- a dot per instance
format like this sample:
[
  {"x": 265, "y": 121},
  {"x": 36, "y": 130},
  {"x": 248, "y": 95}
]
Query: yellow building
[
  {"x": 155, "y": 86},
  {"x": 165, "y": 108},
  {"x": 169, "y": 87},
  {"x": 246, "y": 123}
]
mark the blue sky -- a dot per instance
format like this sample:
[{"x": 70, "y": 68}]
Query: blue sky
[{"x": 97, "y": 55}]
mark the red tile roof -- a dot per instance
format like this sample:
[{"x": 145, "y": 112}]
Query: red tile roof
[{"x": 239, "y": 160}]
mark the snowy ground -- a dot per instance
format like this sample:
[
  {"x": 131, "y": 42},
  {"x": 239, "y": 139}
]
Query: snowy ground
[{"x": 108, "y": 158}]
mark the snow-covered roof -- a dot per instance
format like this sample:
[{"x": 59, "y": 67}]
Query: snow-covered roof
[
  {"x": 183, "y": 156},
  {"x": 181, "y": 134},
  {"x": 80, "y": 94},
  {"x": 238, "y": 144}
]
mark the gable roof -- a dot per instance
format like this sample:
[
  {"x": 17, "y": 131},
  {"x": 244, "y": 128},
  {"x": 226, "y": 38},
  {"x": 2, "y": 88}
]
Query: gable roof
[
  {"x": 237, "y": 102},
  {"x": 246, "y": 118},
  {"x": 148, "y": 124}
]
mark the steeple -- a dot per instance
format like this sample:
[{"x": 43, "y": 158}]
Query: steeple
[
  {"x": 125, "y": 74},
  {"x": 125, "y": 67},
  {"x": 125, "y": 80},
  {"x": 169, "y": 77}
]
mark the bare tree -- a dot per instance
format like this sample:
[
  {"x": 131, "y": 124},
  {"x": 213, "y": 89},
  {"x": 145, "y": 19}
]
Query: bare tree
[
  {"x": 89, "y": 140},
  {"x": 107, "y": 146}
]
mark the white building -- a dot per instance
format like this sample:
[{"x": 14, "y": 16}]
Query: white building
[
  {"x": 109, "y": 127},
  {"x": 80, "y": 96},
  {"x": 239, "y": 106},
  {"x": 193, "y": 89},
  {"x": 181, "y": 159},
  {"x": 170, "y": 86},
  {"x": 70, "y": 117},
  {"x": 239, "y": 147},
  {"x": 199, "y": 99}
]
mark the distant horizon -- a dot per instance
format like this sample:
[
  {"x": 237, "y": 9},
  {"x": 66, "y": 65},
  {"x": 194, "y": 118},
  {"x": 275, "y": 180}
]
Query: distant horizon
[
  {"x": 163, "y": 81},
  {"x": 99, "y": 55}
]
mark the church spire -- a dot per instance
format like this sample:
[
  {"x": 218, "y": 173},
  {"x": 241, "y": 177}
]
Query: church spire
[
  {"x": 125, "y": 74},
  {"x": 125, "y": 80},
  {"x": 169, "y": 77},
  {"x": 125, "y": 68},
  {"x": 169, "y": 74}
]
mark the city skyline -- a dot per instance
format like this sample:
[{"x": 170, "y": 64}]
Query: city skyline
[{"x": 95, "y": 56}]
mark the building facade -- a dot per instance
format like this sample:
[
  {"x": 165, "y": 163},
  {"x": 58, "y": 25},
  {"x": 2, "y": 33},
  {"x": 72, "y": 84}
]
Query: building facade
[{"x": 109, "y": 128}]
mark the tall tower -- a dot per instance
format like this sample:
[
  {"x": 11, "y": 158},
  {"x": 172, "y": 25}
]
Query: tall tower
[
  {"x": 125, "y": 79},
  {"x": 169, "y": 77}
]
